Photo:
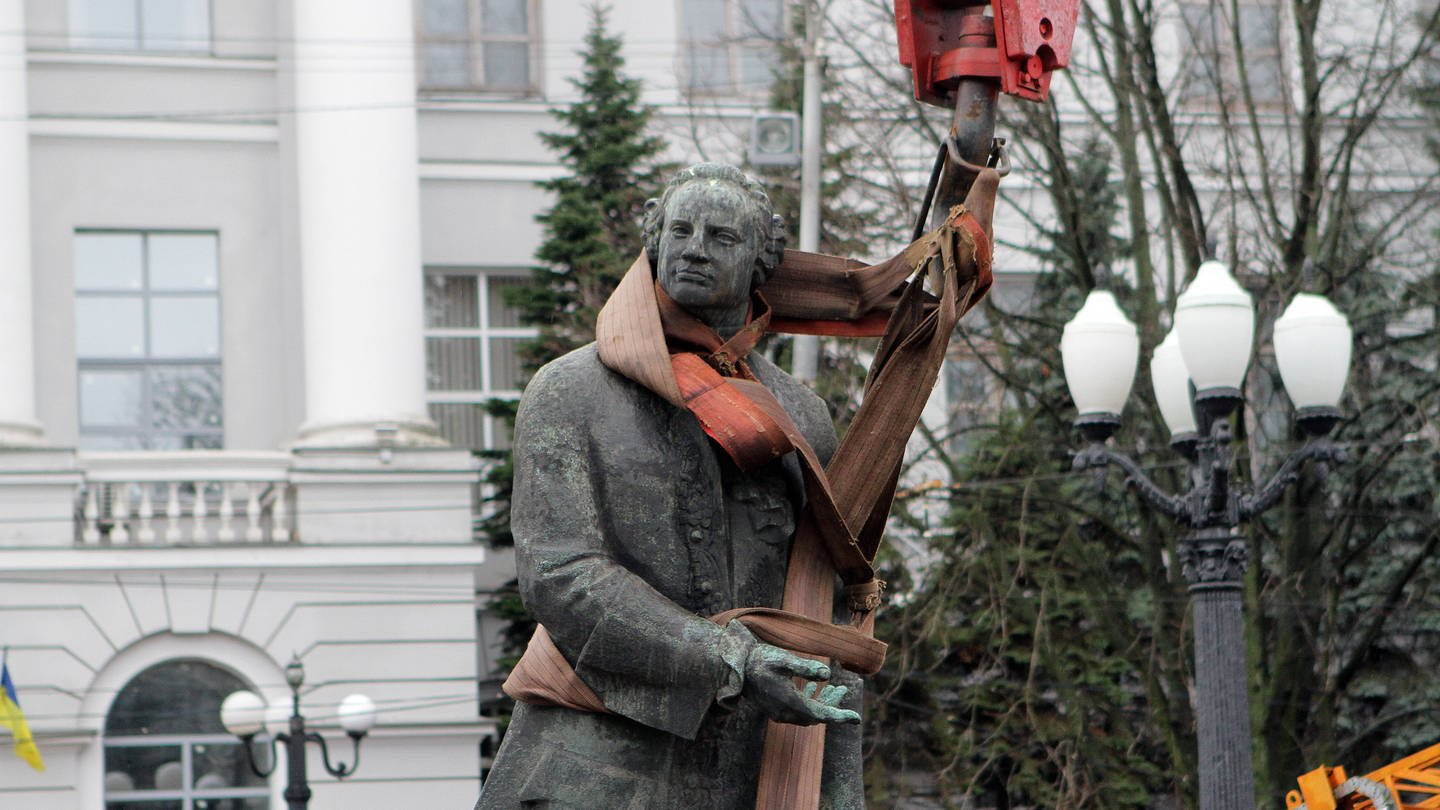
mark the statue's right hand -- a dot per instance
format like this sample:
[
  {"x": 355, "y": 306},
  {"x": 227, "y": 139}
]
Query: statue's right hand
[{"x": 770, "y": 674}]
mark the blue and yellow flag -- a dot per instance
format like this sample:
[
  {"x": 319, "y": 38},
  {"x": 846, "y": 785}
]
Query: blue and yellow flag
[{"x": 12, "y": 718}]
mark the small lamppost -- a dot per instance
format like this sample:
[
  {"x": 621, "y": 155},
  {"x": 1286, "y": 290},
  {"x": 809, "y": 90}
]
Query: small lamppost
[
  {"x": 1197, "y": 373},
  {"x": 243, "y": 714}
]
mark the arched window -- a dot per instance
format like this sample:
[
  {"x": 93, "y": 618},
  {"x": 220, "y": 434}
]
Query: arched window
[{"x": 166, "y": 750}]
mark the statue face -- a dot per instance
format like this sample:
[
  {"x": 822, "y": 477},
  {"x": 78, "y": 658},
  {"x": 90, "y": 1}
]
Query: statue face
[{"x": 708, "y": 251}]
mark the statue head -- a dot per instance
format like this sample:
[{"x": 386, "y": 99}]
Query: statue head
[{"x": 712, "y": 237}]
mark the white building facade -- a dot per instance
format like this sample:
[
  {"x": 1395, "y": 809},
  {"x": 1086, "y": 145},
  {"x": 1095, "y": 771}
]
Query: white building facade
[
  {"x": 252, "y": 262},
  {"x": 219, "y": 453}
]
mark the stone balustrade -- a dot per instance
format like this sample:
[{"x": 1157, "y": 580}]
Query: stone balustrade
[{"x": 186, "y": 498}]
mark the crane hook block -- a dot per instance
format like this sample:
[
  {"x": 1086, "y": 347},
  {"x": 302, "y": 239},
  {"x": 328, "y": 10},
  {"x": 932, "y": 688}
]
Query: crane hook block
[{"x": 945, "y": 41}]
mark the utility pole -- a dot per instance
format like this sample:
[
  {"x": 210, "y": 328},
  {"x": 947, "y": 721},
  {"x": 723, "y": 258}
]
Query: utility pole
[{"x": 805, "y": 363}]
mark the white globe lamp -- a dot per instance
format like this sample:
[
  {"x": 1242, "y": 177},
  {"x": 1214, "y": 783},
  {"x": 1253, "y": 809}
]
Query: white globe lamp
[
  {"x": 1312, "y": 347},
  {"x": 357, "y": 715},
  {"x": 1170, "y": 380},
  {"x": 243, "y": 714},
  {"x": 1215, "y": 321},
  {"x": 1099, "y": 349}
]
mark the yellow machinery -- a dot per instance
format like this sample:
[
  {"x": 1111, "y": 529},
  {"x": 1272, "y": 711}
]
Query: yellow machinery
[{"x": 1412, "y": 783}]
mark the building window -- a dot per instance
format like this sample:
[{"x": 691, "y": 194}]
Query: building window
[
  {"x": 972, "y": 401},
  {"x": 166, "y": 750},
  {"x": 728, "y": 47},
  {"x": 147, "y": 340},
  {"x": 1211, "y": 72},
  {"x": 174, "y": 26},
  {"x": 477, "y": 44},
  {"x": 472, "y": 341}
]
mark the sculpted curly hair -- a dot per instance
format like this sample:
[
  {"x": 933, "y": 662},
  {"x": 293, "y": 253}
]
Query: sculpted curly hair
[{"x": 768, "y": 226}]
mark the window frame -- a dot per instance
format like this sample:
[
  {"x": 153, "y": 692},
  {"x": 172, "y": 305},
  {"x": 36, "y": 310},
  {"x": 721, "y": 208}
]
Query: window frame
[
  {"x": 1218, "y": 81},
  {"x": 146, "y": 432},
  {"x": 484, "y": 333},
  {"x": 85, "y": 41},
  {"x": 734, "y": 44},
  {"x": 476, "y": 40},
  {"x": 188, "y": 793}
]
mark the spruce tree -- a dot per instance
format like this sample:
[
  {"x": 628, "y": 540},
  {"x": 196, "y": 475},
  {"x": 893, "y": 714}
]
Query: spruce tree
[{"x": 592, "y": 233}]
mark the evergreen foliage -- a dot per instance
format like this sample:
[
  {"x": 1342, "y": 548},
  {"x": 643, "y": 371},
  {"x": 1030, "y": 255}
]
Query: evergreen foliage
[{"x": 592, "y": 232}]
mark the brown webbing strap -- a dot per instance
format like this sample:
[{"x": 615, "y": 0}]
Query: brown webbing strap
[
  {"x": 630, "y": 338},
  {"x": 729, "y": 408},
  {"x": 549, "y": 680},
  {"x": 544, "y": 678},
  {"x": 900, "y": 380}
]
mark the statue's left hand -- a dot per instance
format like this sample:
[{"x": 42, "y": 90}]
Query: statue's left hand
[{"x": 770, "y": 674}]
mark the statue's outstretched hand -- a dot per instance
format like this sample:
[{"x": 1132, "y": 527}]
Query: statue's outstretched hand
[{"x": 770, "y": 674}]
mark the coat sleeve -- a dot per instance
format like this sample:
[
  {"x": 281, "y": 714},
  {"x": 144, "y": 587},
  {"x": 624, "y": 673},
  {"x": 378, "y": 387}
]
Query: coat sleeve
[{"x": 645, "y": 656}]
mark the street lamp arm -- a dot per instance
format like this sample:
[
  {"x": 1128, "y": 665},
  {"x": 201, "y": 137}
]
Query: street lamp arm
[
  {"x": 339, "y": 770},
  {"x": 247, "y": 741},
  {"x": 1097, "y": 455},
  {"x": 1320, "y": 450}
]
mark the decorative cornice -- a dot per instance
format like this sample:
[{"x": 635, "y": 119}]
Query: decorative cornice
[
  {"x": 210, "y": 559},
  {"x": 150, "y": 130}
]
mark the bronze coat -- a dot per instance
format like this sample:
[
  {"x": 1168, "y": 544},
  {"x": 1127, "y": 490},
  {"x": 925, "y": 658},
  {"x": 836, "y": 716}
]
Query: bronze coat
[{"x": 630, "y": 528}]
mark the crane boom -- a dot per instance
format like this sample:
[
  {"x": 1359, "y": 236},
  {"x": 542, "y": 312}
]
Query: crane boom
[{"x": 1412, "y": 783}]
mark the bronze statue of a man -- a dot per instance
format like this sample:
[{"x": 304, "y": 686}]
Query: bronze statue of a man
[
  {"x": 631, "y": 527},
  {"x": 672, "y": 493}
]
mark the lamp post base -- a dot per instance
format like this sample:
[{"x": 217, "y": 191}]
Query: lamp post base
[{"x": 1214, "y": 564}]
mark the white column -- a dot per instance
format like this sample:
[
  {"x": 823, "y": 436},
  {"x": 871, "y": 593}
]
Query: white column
[
  {"x": 18, "y": 426},
  {"x": 359, "y": 219}
]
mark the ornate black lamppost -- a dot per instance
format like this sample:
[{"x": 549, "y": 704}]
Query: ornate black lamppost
[
  {"x": 243, "y": 714},
  {"x": 1197, "y": 372}
]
